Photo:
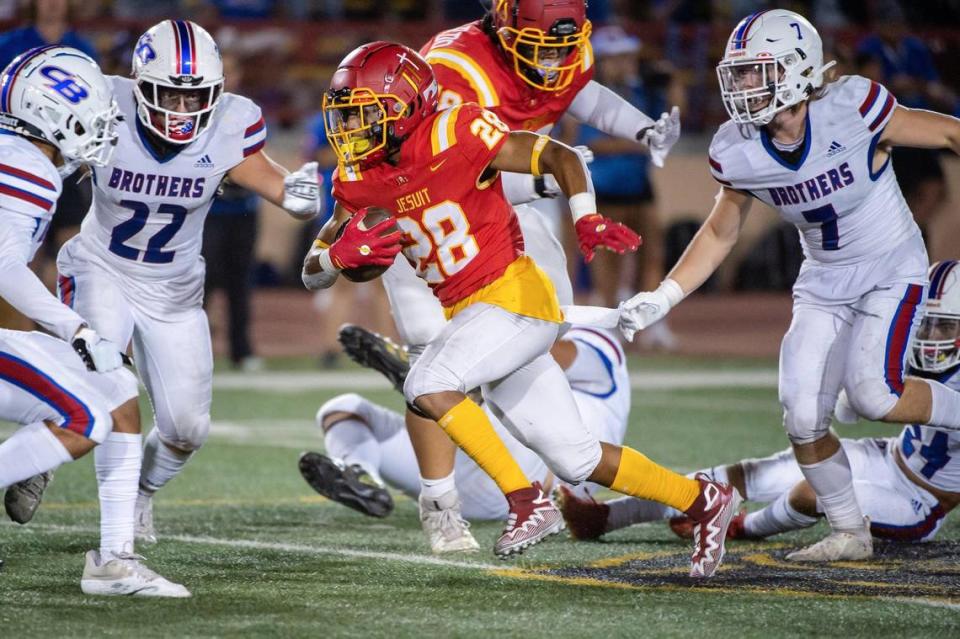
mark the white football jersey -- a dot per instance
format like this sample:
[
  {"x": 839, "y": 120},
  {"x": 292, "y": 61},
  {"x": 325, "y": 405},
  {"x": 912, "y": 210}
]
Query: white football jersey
[
  {"x": 845, "y": 211},
  {"x": 29, "y": 189},
  {"x": 604, "y": 401},
  {"x": 933, "y": 454},
  {"x": 148, "y": 211}
]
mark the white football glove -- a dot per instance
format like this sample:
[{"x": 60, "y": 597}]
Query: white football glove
[
  {"x": 644, "y": 309},
  {"x": 661, "y": 137},
  {"x": 99, "y": 354},
  {"x": 301, "y": 192},
  {"x": 551, "y": 188}
]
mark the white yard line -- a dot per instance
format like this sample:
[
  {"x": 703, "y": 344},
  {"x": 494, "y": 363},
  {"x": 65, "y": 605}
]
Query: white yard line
[
  {"x": 333, "y": 551},
  {"x": 358, "y": 381},
  {"x": 423, "y": 560}
]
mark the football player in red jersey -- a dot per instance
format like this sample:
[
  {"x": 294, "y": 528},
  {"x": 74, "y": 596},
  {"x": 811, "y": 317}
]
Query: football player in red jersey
[
  {"x": 438, "y": 173},
  {"x": 529, "y": 62}
]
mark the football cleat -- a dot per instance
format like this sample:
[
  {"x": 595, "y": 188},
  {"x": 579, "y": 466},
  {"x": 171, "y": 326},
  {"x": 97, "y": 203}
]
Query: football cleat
[
  {"x": 586, "y": 518},
  {"x": 712, "y": 513},
  {"x": 350, "y": 485},
  {"x": 682, "y": 527},
  {"x": 125, "y": 574},
  {"x": 24, "y": 497},
  {"x": 838, "y": 546},
  {"x": 444, "y": 526},
  {"x": 531, "y": 519},
  {"x": 143, "y": 520},
  {"x": 372, "y": 350}
]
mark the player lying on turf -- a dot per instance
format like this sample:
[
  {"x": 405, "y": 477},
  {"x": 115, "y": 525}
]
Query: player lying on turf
[
  {"x": 906, "y": 484},
  {"x": 367, "y": 445},
  {"x": 135, "y": 271},
  {"x": 528, "y": 62},
  {"x": 819, "y": 152},
  {"x": 70, "y": 394},
  {"x": 437, "y": 172}
]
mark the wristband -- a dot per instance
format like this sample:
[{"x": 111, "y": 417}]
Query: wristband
[
  {"x": 582, "y": 205},
  {"x": 672, "y": 291},
  {"x": 538, "y": 148},
  {"x": 540, "y": 186},
  {"x": 326, "y": 263}
]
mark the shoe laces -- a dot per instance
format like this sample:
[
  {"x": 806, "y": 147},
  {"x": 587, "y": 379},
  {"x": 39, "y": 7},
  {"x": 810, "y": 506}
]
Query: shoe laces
[
  {"x": 134, "y": 562},
  {"x": 449, "y": 522}
]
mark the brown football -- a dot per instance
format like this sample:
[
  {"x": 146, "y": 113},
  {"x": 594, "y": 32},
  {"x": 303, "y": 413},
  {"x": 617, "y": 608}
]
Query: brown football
[{"x": 373, "y": 216}]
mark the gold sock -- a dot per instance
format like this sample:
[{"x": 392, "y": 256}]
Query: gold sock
[
  {"x": 640, "y": 477},
  {"x": 469, "y": 427}
]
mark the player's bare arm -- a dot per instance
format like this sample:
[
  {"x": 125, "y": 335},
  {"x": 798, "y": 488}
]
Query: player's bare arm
[
  {"x": 709, "y": 247},
  {"x": 298, "y": 193},
  {"x": 526, "y": 152},
  {"x": 922, "y": 129}
]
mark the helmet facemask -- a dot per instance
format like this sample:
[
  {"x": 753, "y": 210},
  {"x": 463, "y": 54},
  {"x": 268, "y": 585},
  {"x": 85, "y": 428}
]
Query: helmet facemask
[
  {"x": 547, "y": 61},
  {"x": 755, "y": 90},
  {"x": 177, "y": 114},
  {"x": 359, "y": 123},
  {"x": 936, "y": 347},
  {"x": 79, "y": 142}
]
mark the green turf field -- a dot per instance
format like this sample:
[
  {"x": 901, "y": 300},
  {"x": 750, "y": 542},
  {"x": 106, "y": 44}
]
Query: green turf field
[{"x": 264, "y": 556}]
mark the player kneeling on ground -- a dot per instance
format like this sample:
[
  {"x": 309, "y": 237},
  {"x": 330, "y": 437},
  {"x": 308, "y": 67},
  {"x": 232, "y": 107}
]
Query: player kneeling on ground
[
  {"x": 71, "y": 394},
  {"x": 906, "y": 484},
  {"x": 437, "y": 172}
]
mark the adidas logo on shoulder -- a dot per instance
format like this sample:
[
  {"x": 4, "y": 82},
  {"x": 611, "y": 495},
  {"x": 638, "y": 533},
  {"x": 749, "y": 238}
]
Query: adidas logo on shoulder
[
  {"x": 204, "y": 162},
  {"x": 835, "y": 147}
]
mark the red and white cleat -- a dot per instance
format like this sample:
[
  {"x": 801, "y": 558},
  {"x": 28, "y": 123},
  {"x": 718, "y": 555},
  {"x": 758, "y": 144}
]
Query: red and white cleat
[
  {"x": 531, "y": 519},
  {"x": 712, "y": 513},
  {"x": 586, "y": 518},
  {"x": 682, "y": 526}
]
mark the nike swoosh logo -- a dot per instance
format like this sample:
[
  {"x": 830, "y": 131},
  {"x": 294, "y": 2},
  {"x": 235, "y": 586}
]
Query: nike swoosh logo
[
  {"x": 434, "y": 167},
  {"x": 774, "y": 40}
]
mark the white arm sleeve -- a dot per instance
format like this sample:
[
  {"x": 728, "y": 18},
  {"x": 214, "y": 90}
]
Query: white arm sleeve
[
  {"x": 519, "y": 188},
  {"x": 22, "y": 289},
  {"x": 603, "y": 109}
]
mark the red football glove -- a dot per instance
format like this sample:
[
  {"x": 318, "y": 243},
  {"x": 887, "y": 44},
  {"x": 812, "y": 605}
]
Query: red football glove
[
  {"x": 363, "y": 247},
  {"x": 595, "y": 231}
]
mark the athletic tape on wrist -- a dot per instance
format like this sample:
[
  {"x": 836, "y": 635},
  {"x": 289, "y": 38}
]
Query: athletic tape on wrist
[{"x": 582, "y": 205}]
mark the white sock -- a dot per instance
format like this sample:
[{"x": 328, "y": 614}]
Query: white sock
[
  {"x": 944, "y": 405},
  {"x": 436, "y": 488},
  {"x": 117, "y": 462},
  {"x": 352, "y": 441},
  {"x": 832, "y": 481},
  {"x": 160, "y": 464},
  {"x": 717, "y": 473},
  {"x": 776, "y": 517},
  {"x": 30, "y": 451},
  {"x": 627, "y": 511}
]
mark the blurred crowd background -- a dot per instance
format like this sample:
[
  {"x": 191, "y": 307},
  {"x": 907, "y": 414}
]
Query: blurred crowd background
[{"x": 655, "y": 53}]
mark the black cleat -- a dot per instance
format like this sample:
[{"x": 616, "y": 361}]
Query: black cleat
[
  {"x": 23, "y": 498},
  {"x": 349, "y": 485},
  {"x": 372, "y": 350}
]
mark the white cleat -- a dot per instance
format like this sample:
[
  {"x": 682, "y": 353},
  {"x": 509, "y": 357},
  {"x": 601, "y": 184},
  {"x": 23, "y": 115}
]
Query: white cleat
[
  {"x": 143, "y": 520},
  {"x": 444, "y": 526},
  {"x": 124, "y": 574},
  {"x": 838, "y": 546}
]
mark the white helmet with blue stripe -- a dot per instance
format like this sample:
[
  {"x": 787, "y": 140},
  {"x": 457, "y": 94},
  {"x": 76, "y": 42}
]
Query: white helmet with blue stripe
[
  {"x": 58, "y": 95},
  {"x": 179, "y": 80},
  {"x": 937, "y": 344},
  {"x": 773, "y": 60}
]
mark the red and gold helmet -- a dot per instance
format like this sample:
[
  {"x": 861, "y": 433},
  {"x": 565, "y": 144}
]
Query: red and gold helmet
[
  {"x": 380, "y": 92},
  {"x": 547, "y": 39}
]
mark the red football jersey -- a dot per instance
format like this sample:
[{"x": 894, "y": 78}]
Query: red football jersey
[
  {"x": 460, "y": 234},
  {"x": 471, "y": 68}
]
